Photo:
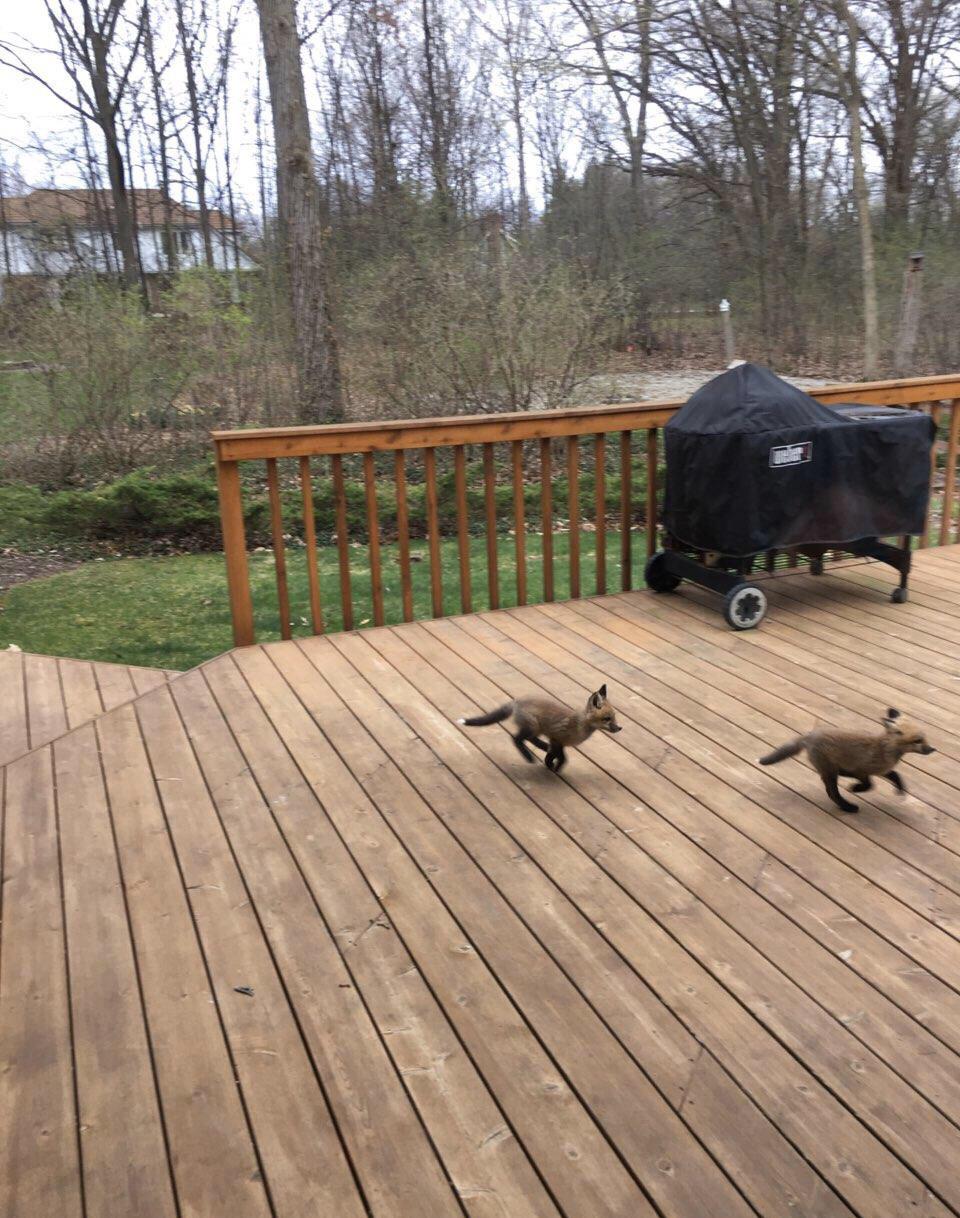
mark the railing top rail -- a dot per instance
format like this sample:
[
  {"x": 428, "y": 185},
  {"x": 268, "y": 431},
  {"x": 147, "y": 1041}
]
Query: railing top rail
[{"x": 242, "y": 445}]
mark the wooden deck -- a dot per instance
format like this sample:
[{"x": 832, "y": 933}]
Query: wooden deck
[
  {"x": 279, "y": 938},
  {"x": 43, "y": 697}
]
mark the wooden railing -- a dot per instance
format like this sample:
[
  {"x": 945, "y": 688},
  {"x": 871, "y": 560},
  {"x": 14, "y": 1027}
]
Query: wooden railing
[{"x": 425, "y": 439}]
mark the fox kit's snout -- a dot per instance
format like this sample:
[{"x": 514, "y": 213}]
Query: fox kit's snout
[
  {"x": 838, "y": 754},
  {"x": 536, "y": 718}
]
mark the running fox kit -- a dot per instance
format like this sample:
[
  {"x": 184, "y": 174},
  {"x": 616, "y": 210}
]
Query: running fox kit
[
  {"x": 838, "y": 754},
  {"x": 564, "y": 728}
]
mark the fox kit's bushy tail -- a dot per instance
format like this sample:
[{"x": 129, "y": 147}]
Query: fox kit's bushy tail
[
  {"x": 496, "y": 716},
  {"x": 785, "y": 751}
]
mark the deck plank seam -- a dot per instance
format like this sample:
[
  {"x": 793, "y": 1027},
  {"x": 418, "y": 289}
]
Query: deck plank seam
[
  {"x": 631, "y": 1171},
  {"x": 74, "y": 1074},
  {"x": 198, "y": 938},
  {"x": 562, "y": 968},
  {"x": 773, "y": 1035},
  {"x": 324, "y": 1090},
  {"x": 144, "y": 1012}
]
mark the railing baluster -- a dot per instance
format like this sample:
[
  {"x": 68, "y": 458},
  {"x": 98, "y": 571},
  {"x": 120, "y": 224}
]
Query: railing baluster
[
  {"x": 651, "y": 491},
  {"x": 433, "y": 531},
  {"x": 600, "y": 502},
  {"x": 573, "y": 512},
  {"x": 235, "y": 551},
  {"x": 490, "y": 503},
  {"x": 626, "y": 513},
  {"x": 279, "y": 551},
  {"x": 343, "y": 547},
  {"x": 310, "y": 546},
  {"x": 463, "y": 531},
  {"x": 373, "y": 535},
  {"x": 950, "y": 474},
  {"x": 403, "y": 533},
  {"x": 546, "y": 518},
  {"x": 935, "y": 415},
  {"x": 519, "y": 521}
]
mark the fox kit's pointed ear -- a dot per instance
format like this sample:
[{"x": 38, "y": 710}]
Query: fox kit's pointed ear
[
  {"x": 893, "y": 714},
  {"x": 602, "y": 691},
  {"x": 891, "y": 718},
  {"x": 597, "y": 700}
]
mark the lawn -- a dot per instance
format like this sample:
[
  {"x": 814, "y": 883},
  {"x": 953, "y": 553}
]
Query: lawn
[{"x": 173, "y": 612}]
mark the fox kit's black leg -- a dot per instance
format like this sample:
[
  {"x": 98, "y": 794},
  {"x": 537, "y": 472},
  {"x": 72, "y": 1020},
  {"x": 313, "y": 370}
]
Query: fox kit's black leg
[
  {"x": 830, "y": 782},
  {"x": 539, "y": 744},
  {"x": 865, "y": 784},
  {"x": 520, "y": 740},
  {"x": 897, "y": 781},
  {"x": 556, "y": 758}
]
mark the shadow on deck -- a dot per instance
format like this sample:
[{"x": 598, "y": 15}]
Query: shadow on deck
[{"x": 278, "y": 937}]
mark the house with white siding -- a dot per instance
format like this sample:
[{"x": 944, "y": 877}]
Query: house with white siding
[{"x": 48, "y": 236}]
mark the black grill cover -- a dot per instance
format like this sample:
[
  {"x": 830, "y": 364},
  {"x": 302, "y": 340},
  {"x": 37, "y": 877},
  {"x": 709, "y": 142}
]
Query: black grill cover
[{"x": 754, "y": 464}]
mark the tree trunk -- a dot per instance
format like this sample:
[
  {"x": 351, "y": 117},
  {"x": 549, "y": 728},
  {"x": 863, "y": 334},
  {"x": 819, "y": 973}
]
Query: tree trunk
[
  {"x": 300, "y": 215},
  {"x": 438, "y": 156},
  {"x": 871, "y": 336},
  {"x": 200, "y": 172},
  {"x": 105, "y": 114},
  {"x": 170, "y": 248}
]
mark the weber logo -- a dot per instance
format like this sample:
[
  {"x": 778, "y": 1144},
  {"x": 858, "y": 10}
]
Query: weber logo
[{"x": 791, "y": 454}]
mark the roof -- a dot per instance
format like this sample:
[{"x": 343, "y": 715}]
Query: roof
[{"x": 89, "y": 208}]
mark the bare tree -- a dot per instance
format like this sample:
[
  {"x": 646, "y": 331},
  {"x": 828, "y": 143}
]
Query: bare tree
[
  {"x": 301, "y": 216},
  {"x": 98, "y": 47}
]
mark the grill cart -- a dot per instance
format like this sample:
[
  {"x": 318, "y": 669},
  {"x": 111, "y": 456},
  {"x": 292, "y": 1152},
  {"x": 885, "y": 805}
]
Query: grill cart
[{"x": 755, "y": 466}]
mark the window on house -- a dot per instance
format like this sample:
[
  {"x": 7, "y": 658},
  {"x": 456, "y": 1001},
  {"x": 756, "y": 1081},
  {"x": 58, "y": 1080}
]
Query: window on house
[{"x": 184, "y": 241}]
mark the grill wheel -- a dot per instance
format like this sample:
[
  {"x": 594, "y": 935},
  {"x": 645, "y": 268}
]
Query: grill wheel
[{"x": 745, "y": 607}]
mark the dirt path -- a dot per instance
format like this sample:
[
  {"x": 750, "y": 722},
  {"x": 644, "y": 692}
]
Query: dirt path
[
  {"x": 659, "y": 386},
  {"x": 17, "y": 568}
]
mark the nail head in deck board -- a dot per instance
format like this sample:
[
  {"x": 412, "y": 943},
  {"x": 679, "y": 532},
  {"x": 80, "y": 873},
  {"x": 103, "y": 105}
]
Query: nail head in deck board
[
  {"x": 392, "y": 1158},
  {"x": 124, "y": 1155},
  {"x": 453, "y": 1101},
  {"x": 571, "y": 1152},
  {"x": 39, "y": 1159},
  {"x": 215, "y": 1166},
  {"x": 637, "y": 1121}
]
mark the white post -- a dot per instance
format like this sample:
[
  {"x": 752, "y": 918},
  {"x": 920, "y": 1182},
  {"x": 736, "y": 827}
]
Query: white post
[{"x": 728, "y": 347}]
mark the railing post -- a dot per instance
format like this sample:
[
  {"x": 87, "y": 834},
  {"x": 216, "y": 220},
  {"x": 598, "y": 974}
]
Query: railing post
[{"x": 235, "y": 551}]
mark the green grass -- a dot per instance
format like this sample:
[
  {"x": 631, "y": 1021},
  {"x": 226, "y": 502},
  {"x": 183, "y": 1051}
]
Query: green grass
[{"x": 173, "y": 612}]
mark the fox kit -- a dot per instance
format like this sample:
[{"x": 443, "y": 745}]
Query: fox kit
[
  {"x": 837, "y": 754},
  {"x": 538, "y": 717}
]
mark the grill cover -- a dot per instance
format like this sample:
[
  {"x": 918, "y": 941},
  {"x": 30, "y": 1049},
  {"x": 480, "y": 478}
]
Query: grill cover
[{"x": 754, "y": 464}]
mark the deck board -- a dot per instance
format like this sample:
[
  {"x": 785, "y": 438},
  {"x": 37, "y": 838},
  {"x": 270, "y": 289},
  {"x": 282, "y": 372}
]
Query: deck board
[
  {"x": 43, "y": 697},
  {"x": 669, "y": 983}
]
